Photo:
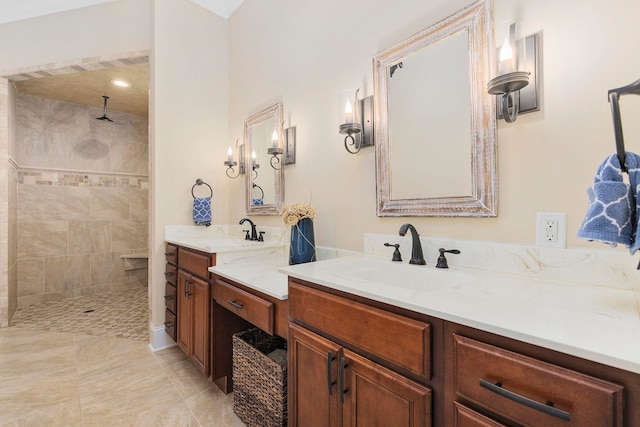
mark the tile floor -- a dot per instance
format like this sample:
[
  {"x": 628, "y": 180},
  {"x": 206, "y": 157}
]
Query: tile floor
[{"x": 82, "y": 376}]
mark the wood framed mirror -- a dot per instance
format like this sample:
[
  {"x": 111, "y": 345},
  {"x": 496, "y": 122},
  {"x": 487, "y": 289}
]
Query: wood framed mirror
[
  {"x": 264, "y": 190},
  {"x": 435, "y": 123}
]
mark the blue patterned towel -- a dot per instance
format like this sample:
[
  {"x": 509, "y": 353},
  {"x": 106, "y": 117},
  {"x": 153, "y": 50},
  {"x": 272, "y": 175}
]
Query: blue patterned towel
[
  {"x": 612, "y": 216},
  {"x": 202, "y": 211}
]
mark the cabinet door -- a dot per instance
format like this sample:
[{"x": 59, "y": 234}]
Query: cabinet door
[
  {"x": 198, "y": 294},
  {"x": 376, "y": 396},
  {"x": 184, "y": 312},
  {"x": 313, "y": 379}
]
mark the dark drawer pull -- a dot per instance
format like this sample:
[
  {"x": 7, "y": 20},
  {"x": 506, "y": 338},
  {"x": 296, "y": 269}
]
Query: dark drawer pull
[
  {"x": 235, "y": 304},
  {"x": 168, "y": 325},
  {"x": 169, "y": 254},
  {"x": 167, "y": 297},
  {"x": 169, "y": 273},
  {"x": 343, "y": 366},
  {"x": 546, "y": 408},
  {"x": 330, "y": 382}
]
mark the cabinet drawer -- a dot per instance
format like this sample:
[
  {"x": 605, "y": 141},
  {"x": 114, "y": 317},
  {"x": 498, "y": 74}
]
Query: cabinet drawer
[
  {"x": 170, "y": 301},
  {"x": 194, "y": 262},
  {"x": 465, "y": 417},
  {"x": 250, "y": 307},
  {"x": 170, "y": 324},
  {"x": 400, "y": 340},
  {"x": 171, "y": 273},
  {"x": 171, "y": 254},
  {"x": 532, "y": 392}
]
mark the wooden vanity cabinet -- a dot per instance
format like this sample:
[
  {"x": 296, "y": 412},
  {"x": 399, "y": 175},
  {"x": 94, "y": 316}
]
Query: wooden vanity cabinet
[
  {"x": 171, "y": 281},
  {"x": 188, "y": 292},
  {"x": 355, "y": 362},
  {"x": 494, "y": 381}
]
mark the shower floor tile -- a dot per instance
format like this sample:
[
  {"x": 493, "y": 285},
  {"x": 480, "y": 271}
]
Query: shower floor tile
[{"x": 118, "y": 314}]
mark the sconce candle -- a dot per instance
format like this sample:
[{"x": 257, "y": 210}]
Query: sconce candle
[
  {"x": 274, "y": 139},
  {"x": 348, "y": 112},
  {"x": 510, "y": 80},
  {"x": 506, "y": 58},
  {"x": 230, "y": 154}
]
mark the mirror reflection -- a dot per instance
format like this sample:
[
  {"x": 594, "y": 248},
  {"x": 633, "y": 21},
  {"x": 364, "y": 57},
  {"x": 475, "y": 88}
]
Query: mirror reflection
[
  {"x": 435, "y": 128},
  {"x": 264, "y": 185}
]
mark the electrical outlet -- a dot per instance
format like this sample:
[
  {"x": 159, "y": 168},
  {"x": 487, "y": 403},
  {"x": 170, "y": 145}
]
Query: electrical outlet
[{"x": 551, "y": 229}]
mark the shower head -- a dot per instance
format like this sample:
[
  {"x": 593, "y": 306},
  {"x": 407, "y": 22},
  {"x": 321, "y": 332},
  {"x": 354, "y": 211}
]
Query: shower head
[{"x": 104, "y": 114}]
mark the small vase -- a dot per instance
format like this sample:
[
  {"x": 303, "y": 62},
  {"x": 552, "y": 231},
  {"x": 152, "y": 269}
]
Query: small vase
[{"x": 303, "y": 246}]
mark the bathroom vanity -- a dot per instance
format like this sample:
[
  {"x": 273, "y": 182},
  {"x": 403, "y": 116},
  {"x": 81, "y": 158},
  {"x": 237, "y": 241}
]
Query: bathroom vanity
[
  {"x": 203, "y": 311},
  {"x": 362, "y": 348}
]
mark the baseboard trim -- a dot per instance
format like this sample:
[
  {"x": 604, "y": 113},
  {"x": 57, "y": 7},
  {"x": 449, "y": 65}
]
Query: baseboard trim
[{"x": 158, "y": 338}]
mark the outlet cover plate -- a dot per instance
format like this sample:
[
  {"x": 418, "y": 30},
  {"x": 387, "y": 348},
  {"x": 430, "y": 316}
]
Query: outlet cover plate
[{"x": 541, "y": 235}]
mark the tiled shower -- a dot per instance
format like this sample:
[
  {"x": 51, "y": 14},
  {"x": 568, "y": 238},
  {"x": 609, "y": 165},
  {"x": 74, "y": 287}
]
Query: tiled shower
[{"x": 82, "y": 199}]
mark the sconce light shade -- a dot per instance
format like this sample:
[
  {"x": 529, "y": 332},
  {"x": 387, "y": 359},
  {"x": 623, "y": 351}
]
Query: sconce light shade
[
  {"x": 357, "y": 121},
  {"x": 517, "y": 81}
]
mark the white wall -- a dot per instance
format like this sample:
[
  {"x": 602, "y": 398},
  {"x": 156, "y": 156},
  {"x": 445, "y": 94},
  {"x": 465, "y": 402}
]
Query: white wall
[
  {"x": 102, "y": 30},
  {"x": 305, "y": 53},
  {"x": 188, "y": 121}
]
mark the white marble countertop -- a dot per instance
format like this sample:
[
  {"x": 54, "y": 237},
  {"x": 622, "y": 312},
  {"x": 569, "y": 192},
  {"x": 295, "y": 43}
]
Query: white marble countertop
[
  {"x": 261, "y": 275},
  {"x": 221, "y": 238},
  {"x": 601, "y": 324}
]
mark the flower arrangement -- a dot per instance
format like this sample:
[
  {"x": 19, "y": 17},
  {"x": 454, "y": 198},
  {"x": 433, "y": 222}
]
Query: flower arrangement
[{"x": 293, "y": 213}]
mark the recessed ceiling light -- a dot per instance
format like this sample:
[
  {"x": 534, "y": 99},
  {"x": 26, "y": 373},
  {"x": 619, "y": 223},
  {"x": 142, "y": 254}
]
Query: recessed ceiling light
[{"x": 120, "y": 83}]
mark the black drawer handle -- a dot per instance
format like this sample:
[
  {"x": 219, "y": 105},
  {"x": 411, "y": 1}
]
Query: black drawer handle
[
  {"x": 167, "y": 297},
  {"x": 330, "y": 382},
  {"x": 542, "y": 407},
  {"x": 169, "y": 254},
  {"x": 235, "y": 304},
  {"x": 169, "y": 273},
  {"x": 343, "y": 365}
]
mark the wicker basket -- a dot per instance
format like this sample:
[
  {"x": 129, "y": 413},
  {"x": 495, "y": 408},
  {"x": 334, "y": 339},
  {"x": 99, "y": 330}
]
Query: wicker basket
[{"x": 259, "y": 383}]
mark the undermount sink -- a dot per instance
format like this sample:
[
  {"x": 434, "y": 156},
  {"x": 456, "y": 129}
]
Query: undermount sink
[{"x": 398, "y": 275}]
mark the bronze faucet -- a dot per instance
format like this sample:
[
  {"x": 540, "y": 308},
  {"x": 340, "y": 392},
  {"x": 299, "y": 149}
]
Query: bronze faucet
[{"x": 416, "y": 248}]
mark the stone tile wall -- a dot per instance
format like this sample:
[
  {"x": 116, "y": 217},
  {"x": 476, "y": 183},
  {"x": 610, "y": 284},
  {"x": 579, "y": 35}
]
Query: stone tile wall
[{"x": 82, "y": 199}]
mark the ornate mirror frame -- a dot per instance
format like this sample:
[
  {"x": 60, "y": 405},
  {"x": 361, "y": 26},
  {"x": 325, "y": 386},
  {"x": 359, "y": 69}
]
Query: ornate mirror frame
[
  {"x": 275, "y": 112},
  {"x": 482, "y": 202}
]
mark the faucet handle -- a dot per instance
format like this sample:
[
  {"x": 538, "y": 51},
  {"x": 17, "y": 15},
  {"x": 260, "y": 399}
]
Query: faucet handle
[
  {"x": 261, "y": 237},
  {"x": 442, "y": 260},
  {"x": 396, "y": 253},
  {"x": 247, "y": 237}
]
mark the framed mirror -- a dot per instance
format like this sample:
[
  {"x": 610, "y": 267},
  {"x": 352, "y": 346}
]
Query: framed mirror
[
  {"x": 264, "y": 185},
  {"x": 435, "y": 122}
]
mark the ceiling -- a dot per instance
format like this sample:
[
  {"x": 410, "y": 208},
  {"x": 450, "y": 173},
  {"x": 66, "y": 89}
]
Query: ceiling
[
  {"x": 88, "y": 87},
  {"x": 16, "y": 10}
]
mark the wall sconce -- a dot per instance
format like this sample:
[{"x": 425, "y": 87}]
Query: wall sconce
[
  {"x": 289, "y": 150},
  {"x": 517, "y": 82},
  {"x": 254, "y": 164},
  {"x": 230, "y": 163},
  {"x": 357, "y": 121}
]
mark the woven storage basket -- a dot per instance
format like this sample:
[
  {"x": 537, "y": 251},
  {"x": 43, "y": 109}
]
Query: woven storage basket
[{"x": 259, "y": 383}]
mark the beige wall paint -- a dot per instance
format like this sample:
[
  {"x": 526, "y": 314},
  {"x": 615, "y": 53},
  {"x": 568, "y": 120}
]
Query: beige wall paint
[
  {"x": 306, "y": 53},
  {"x": 189, "y": 122}
]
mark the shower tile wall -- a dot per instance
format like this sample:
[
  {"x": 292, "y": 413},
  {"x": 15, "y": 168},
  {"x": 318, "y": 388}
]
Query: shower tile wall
[
  {"x": 82, "y": 199},
  {"x": 8, "y": 217}
]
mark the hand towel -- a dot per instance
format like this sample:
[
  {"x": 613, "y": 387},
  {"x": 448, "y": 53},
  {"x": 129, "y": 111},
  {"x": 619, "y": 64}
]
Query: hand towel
[
  {"x": 612, "y": 215},
  {"x": 202, "y": 211}
]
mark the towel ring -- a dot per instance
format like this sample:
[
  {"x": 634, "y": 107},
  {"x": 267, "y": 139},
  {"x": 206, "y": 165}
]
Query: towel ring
[{"x": 200, "y": 183}]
